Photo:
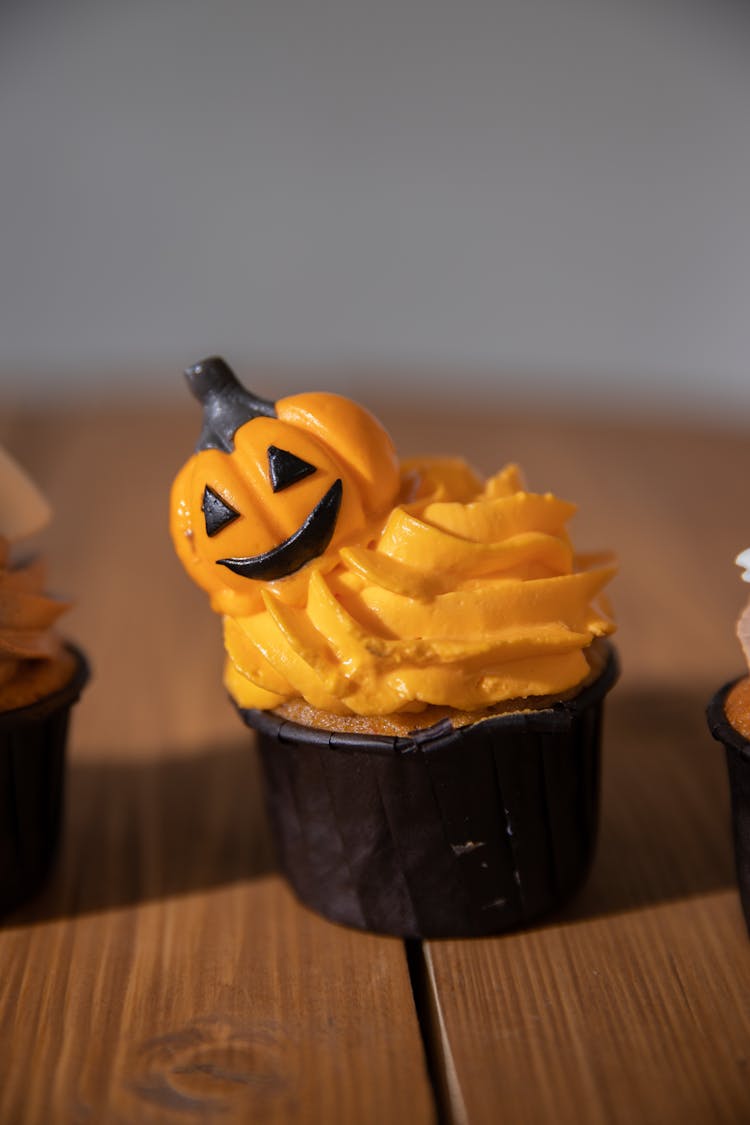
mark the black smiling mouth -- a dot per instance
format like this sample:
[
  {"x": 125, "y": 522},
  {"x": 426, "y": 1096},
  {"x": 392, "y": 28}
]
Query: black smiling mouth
[{"x": 307, "y": 542}]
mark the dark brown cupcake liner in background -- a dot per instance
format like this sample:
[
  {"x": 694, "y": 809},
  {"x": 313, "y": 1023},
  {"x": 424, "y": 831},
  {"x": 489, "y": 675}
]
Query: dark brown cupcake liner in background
[
  {"x": 32, "y": 761},
  {"x": 737, "y": 749},
  {"x": 445, "y": 833}
]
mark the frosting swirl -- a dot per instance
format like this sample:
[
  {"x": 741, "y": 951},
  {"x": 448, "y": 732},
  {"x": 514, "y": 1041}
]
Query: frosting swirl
[
  {"x": 33, "y": 660},
  {"x": 28, "y": 642},
  {"x": 466, "y": 595}
]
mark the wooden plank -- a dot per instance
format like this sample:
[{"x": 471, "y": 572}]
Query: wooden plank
[
  {"x": 230, "y": 1004},
  {"x": 641, "y": 1017},
  {"x": 633, "y": 1004},
  {"x": 166, "y": 974},
  {"x": 642, "y": 980}
]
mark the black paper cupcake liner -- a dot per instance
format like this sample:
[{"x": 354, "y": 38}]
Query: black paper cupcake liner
[
  {"x": 32, "y": 758},
  {"x": 737, "y": 749},
  {"x": 445, "y": 833}
]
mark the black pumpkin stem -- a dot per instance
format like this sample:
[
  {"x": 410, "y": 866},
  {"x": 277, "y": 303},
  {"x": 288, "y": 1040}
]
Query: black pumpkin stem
[{"x": 226, "y": 403}]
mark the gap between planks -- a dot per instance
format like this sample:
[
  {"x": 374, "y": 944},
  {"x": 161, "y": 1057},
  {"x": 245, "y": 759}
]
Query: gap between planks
[{"x": 441, "y": 1071}]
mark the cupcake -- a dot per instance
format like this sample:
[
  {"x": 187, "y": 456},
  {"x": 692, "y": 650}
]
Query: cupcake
[
  {"x": 421, "y": 653},
  {"x": 729, "y": 722},
  {"x": 40, "y": 678}
]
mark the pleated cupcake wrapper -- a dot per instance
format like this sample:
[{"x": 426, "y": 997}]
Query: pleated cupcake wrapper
[
  {"x": 32, "y": 758},
  {"x": 737, "y": 749},
  {"x": 445, "y": 833}
]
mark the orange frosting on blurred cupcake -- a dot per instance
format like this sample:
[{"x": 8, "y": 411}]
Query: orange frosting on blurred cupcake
[
  {"x": 33, "y": 660},
  {"x": 737, "y": 706}
]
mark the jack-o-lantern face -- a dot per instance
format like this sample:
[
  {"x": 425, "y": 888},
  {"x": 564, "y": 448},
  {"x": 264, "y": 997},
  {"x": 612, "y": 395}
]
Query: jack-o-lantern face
[{"x": 273, "y": 487}]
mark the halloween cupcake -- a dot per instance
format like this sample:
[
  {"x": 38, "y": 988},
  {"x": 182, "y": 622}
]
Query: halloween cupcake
[
  {"x": 729, "y": 721},
  {"x": 421, "y": 653},
  {"x": 40, "y": 679}
]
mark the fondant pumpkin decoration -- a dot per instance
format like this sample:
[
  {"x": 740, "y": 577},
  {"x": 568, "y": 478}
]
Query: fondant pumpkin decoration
[{"x": 273, "y": 487}]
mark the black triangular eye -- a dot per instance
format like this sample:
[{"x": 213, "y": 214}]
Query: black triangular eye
[
  {"x": 217, "y": 513},
  {"x": 285, "y": 468}
]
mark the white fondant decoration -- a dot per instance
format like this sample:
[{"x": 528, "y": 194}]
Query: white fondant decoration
[
  {"x": 743, "y": 560},
  {"x": 23, "y": 509},
  {"x": 743, "y": 632}
]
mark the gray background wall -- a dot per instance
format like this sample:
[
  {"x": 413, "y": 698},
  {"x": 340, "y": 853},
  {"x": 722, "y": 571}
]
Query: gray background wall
[{"x": 532, "y": 192}]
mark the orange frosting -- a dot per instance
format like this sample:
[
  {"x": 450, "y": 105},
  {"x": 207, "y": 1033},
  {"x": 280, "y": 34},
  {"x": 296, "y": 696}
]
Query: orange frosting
[
  {"x": 433, "y": 588},
  {"x": 466, "y": 596},
  {"x": 33, "y": 662},
  {"x": 737, "y": 705}
]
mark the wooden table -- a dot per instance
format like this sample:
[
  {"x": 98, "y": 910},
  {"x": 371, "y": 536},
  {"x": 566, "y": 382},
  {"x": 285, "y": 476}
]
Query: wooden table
[{"x": 166, "y": 974}]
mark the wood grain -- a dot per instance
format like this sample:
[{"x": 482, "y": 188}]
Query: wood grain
[
  {"x": 230, "y": 1004},
  {"x": 166, "y": 975},
  {"x": 632, "y": 1006},
  {"x": 638, "y": 1018}
]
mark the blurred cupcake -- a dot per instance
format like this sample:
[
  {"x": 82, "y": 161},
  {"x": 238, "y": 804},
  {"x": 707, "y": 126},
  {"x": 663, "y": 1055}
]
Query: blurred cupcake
[
  {"x": 40, "y": 678},
  {"x": 729, "y": 721},
  {"x": 420, "y": 651}
]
